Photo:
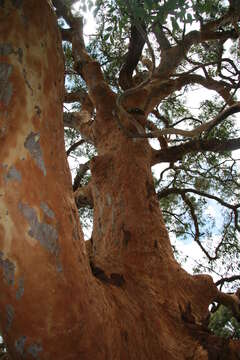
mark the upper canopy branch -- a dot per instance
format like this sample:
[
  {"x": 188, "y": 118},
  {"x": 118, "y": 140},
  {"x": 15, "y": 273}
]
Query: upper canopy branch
[
  {"x": 135, "y": 47},
  {"x": 88, "y": 68},
  {"x": 172, "y": 57},
  {"x": 159, "y": 89}
]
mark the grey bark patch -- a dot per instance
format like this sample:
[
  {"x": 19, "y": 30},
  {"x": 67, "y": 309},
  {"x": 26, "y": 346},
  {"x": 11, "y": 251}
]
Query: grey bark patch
[
  {"x": 5, "y": 49},
  {"x": 9, "y": 315},
  {"x": 46, "y": 209},
  {"x": 13, "y": 174},
  {"x": 20, "y": 290},
  {"x": 34, "y": 350},
  {"x": 8, "y": 269},
  {"x": 46, "y": 234},
  {"x": 33, "y": 146},
  {"x": 20, "y": 343},
  {"x": 6, "y": 88}
]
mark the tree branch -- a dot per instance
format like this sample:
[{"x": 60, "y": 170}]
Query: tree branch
[
  {"x": 82, "y": 97},
  {"x": 176, "y": 153},
  {"x": 83, "y": 168},
  {"x": 134, "y": 53},
  {"x": 227, "y": 279},
  {"x": 74, "y": 146},
  {"x": 83, "y": 196},
  {"x": 66, "y": 34},
  {"x": 231, "y": 301},
  {"x": 80, "y": 121},
  {"x": 165, "y": 192},
  {"x": 88, "y": 68},
  {"x": 196, "y": 226}
]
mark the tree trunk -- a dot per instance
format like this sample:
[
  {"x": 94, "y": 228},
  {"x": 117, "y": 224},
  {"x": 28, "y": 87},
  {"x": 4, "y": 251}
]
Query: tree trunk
[{"x": 134, "y": 301}]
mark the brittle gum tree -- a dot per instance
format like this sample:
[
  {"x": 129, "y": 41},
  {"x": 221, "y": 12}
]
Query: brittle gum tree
[{"x": 122, "y": 295}]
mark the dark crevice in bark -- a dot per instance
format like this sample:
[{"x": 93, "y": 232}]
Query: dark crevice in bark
[{"x": 114, "y": 279}]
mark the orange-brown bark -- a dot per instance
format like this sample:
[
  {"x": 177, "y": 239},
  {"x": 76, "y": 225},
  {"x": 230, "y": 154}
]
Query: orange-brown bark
[
  {"x": 43, "y": 265},
  {"x": 131, "y": 300}
]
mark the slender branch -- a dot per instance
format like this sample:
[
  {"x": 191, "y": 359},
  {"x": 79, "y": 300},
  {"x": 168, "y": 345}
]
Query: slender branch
[
  {"x": 165, "y": 192},
  {"x": 196, "y": 226},
  {"x": 74, "y": 146},
  {"x": 196, "y": 131},
  {"x": 227, "y": 279}
]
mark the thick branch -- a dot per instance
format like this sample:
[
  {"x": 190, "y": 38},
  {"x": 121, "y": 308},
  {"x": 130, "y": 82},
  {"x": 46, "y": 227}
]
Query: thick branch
[
  {"x": 78, "y": 95},
  {"x": 66, "y": 34},
  {"x": 176, "y": 153},
  {"x": 134, "y": 53},
  {"x": 83, "y": 196},
  {"x": 82, "y": 97},
  {"x": 137, "y": 41},
  {"x": 172, "y": 57},
  {"x": 80, "y": 121},
  {"x": 83, "y": 168},
  {"x": 64, "y": 11},
  {"x": 230, "y": 301},
  {"x": 88, "y": 68}
]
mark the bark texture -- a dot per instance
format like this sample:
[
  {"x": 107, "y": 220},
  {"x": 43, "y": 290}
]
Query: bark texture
[{"x": 127, "y": 298}]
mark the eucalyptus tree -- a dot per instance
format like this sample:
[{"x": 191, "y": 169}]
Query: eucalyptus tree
[{"x": 122, "y": 294}]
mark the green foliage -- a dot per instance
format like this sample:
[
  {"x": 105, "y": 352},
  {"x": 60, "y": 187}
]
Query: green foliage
[{"x": 223, "y": 324}]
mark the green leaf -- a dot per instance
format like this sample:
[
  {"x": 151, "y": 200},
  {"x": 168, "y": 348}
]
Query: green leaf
[{"x": 174, "y": 24}]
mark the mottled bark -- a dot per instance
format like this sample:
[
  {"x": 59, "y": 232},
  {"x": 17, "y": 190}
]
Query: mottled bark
[
  {"x": 43, "y": 264},
  {"x": 128, "y": 298}
]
